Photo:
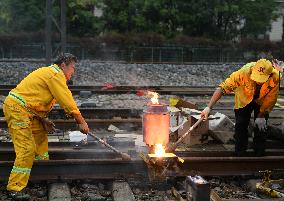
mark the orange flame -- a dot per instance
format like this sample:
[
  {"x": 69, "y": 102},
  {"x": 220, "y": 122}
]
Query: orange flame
[
  {"x": 154, "y": 97},
  {"x": 159, "y": 150}
]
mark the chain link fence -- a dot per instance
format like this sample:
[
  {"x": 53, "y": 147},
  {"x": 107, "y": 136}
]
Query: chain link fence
[{"x": 141, "y": 54}]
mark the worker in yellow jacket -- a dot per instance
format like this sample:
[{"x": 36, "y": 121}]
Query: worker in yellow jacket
[
  {"x": 26, "y": 108},
  {"x": 256, "y": 88}
]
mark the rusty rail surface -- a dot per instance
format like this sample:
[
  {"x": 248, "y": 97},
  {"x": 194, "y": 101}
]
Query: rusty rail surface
[
  {"x": 115, "y": 168},
  {"x": 174, "y": 90},
  {"x": 94, "y": 150},
  {"x": 80, "y": 169},
  {"x": 130, "y": 124},
  {"x": 108, "y": 113},
  {"x": 98, "y": 163},
  {"x": 102, "y": 117},
  {"x": 95, "y": 113},
  {"x": 70, "y": 124}
]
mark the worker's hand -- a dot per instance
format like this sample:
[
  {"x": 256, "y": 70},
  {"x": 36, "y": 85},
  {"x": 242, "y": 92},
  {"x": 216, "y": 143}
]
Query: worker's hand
[
  {"x": 48, "y": 125},
  {"x": 84, "y": 128},
  {"x": 278, "y": 65},
  {"x": 260, "y": 123},
  {"x": 205, "y": 113}
]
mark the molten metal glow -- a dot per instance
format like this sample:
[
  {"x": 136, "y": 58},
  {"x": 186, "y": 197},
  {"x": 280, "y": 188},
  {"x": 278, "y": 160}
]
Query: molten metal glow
[
  {"x": 159, "y": 150},
  {"x": 200, "y": 181},
  {"x": 154, "y": 97}
]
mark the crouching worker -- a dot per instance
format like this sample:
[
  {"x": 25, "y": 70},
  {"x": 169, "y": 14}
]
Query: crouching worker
[
  {"x": 26, "y": 108},
  {"x": 256, "y": 88}
]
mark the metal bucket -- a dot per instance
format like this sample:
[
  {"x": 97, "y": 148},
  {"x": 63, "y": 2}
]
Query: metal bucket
[{"x": 156, "y": 125}]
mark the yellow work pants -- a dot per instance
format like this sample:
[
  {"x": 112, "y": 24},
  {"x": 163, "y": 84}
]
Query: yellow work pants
[{"x": 30, "y": 142}]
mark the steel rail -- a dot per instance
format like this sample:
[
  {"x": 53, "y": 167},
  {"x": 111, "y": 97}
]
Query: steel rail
[
  {"x": 77, "y": 150},
  {"x": 273, "y": 149},
  {"x": 70, "y": 124},
  {"x": 80, "y": 169},
  {"x": 124, "y": 113},
  {"x": 129, "y": 124},
  {"x": 108, "y": 113},
  {"x": 95, "y": 113},
  {"x": 95, "y": 162},
  {"x": 174, "y": 90},
  {"x": 228, "y": 166},
  {"x": 67, "y": 150},
  {"x": 117, "y": 168},
  {"x": 102, "y": 118}
]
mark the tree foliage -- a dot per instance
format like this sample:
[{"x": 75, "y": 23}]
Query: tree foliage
[
  {"x": 257, "y": 16},
  {"x": 21, "y": 16},
  {"x": 217, "y": 19},
  {"x": 222, "y": 19},
  {"x": 81, "y": 20}
]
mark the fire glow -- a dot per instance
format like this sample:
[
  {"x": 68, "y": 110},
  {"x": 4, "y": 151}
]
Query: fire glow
[
  {"x": 159, "y": 150},
  {"x": 154, "y": 97}
]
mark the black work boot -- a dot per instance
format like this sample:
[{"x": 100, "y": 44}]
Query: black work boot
[
  {"x": 18, "y": 195},
  {"x": 259, "y": 142}
]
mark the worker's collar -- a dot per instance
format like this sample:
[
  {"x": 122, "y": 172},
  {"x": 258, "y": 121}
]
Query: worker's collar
[{"x": 56, "y": 68}]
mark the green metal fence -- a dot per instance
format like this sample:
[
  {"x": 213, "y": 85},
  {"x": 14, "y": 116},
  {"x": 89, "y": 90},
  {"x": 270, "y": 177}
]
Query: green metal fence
[{"x": 140, "y": 54}]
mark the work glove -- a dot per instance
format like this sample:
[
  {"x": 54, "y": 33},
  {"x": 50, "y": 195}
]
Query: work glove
[
  {"x": 205, "y": 113},
  {"x": 260, "y": 123},
  {"x": 84, "y": 128},
  {"x": 48, "y": 125}
]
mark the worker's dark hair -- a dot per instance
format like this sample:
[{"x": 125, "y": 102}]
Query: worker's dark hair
[{"x": 66, "y": 58}]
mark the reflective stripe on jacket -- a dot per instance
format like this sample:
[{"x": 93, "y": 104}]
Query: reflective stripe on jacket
[
  {"x": 240, "y": 83},
  {"x": 42, "y": 88}
]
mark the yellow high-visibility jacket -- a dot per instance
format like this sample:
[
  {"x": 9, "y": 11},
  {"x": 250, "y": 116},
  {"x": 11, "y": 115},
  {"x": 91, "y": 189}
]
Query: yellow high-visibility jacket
[
  {"x": 42, "y": 88},
  {"x": 240, "y": 83}
]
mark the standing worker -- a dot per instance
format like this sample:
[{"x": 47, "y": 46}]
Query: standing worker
[
  {"x": 256, "y": 88},
  {"x": 26, "y": 108}
]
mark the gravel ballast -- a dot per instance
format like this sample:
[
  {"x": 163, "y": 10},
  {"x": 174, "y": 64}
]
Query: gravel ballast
[{"x": 94, "y": 73}]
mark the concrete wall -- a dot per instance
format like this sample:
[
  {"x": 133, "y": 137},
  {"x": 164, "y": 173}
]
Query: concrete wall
[{"x": 276, "y": 31}]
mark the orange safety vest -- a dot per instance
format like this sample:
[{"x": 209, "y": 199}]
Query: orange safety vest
[{"x": 244, "y": 87}]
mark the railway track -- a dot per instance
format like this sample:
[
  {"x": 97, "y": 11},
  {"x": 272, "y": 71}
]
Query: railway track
[
  {"x": 103, "y": 117},
  {"x": 98, "y": 163},
  {"x": 170, "y": 90},
  {"x": 116, "y": 168},
  {"x": 95, "y": 162}
]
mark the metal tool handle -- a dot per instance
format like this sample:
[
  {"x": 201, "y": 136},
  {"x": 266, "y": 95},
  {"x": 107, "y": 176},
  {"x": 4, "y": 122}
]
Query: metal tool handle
[
  {"x": 123, "y": 155},
  {"x": 174, "y": 146},
  {"x": 104, "y": 143}
]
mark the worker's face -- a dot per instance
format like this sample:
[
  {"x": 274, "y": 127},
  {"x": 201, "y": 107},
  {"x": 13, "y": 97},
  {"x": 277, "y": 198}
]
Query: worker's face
[{"x": 68, "y": 70}]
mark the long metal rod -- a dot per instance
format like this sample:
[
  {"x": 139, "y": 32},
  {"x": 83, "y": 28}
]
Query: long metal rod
[
  {"x": 124, "y": 156},
  {"x": 174, "y": 146}
]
